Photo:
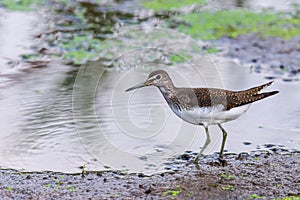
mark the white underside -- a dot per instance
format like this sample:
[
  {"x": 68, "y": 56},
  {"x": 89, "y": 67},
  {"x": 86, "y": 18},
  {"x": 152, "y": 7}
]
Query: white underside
[{"x": 211, "y": 115}]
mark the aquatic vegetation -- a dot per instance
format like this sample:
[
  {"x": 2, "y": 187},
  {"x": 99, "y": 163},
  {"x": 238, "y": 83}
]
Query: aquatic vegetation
[
  {"x": 190, "y": 194},
  {"x": 169, "y": 4},
  {"x": 231, "y": 23},
  {"x": 70, "y": 187},
  {"x": 83, "y": 170},
  {"x": 213, "y": 185},
  {"x": 289, "y": 198},
  {"x": 227, "y": 176},
  {"x": 179, "y": 58},
  {"x": 22, "y": 5},
  {"x": 256, "y": 196},
  {"x": 229, "y": 187},
  {"x": 79, "y": 48},
  {"x": 47, "y": 185},
  {"x": 59, "y": 185},
  {"x": 278, "y": 184},
  {"x": 173, "y": 193},
  {"x": 212, "y": 50}
]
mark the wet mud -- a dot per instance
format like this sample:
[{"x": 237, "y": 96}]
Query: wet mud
[
  {"x": 274, "y": 57},
  {"x": 266, "y": 174}
]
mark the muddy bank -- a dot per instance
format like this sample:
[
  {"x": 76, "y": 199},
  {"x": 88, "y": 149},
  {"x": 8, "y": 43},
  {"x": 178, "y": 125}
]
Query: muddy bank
[
  {"x": 265, "y": 174},
  {"x": 273, "y": 57}
]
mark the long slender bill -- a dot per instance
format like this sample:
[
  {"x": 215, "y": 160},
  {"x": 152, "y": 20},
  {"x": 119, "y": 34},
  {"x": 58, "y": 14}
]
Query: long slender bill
[{"x": 137, "y": 86}]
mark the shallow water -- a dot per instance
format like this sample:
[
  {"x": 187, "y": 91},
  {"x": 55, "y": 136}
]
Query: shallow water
[
  {"x": 51, "y": 120},
  {"x": 131, "y": 131}
]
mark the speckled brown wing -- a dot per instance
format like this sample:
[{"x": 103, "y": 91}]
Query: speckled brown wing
[
  {"x": 188, "y": 98},
  {"x": 230, "y": 99},
  {"x": 214, "y": 97},
  {"x": 211, "y": 96}
]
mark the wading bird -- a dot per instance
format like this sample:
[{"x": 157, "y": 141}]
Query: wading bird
[{"x": 205, "y": 106}]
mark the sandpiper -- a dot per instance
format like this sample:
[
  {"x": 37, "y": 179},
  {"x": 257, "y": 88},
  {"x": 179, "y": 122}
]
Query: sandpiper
[{"x": 205, "y": 106}]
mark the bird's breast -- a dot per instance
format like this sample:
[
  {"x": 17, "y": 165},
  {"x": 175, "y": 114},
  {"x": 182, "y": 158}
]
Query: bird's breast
[{"x": 209, "y": 115}]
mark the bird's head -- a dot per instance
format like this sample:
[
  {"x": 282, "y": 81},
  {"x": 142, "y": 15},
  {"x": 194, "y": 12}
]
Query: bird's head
[{"x": 157, "y": 78}]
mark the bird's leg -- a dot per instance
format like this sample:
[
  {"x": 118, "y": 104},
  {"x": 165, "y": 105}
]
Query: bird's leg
[
  {"x": 223, "y": 141},
  {"x": 205, "y": 145}
]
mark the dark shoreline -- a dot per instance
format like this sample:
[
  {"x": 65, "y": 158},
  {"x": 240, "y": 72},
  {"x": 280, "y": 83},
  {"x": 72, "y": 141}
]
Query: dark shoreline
[
  {"x": 273, "y": 57},
  {"x": 262, "y": 175}
]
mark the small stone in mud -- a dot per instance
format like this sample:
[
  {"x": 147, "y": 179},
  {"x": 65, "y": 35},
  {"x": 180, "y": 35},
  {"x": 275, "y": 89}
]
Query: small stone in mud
[
  {"x": 287, "y": 79},
  {"x": 247, "y": 143},
  {"x": 269, "y": 145},
  {"x": 144, "y": 158},
  {"x": 99, "y": 173},
  {"x": 293, "y": 193},
  {"x": 270, "y": 77},
  {"x": 148, "y": 191},
  {"x": 223, "y": 162},
  {"x": 185, "y": 157},
  {"x": 28, "y": 177},
  {"x": 141, "y": 175},
  {"x": 218, "y": 162},
  {"x": 242, "y": 156},
  {"x": 278, "y": 150},
  {"x": 295, "y": 71}
]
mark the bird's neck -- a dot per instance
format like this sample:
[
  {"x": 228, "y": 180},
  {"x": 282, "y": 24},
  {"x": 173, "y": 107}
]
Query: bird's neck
[{"x": 168, "y": 91}]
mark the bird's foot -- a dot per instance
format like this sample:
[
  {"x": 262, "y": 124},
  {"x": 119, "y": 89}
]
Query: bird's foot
[
  {"x": 195, "y": 161},
  {"x": 222, "y": 161},
  {"x": 218, "y": 162}
]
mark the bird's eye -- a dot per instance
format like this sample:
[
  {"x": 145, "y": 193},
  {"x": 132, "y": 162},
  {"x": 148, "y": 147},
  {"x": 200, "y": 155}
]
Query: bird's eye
[{"x": 158, "y": 76}]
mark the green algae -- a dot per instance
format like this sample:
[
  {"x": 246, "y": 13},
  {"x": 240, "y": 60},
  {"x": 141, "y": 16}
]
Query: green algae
[
  {"x": 21, "y": 5},
  {"x": 158, "y": 5},
  {"x": 232, "y": 23}
]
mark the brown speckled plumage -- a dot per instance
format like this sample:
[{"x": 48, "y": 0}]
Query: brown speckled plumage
[{"x": 188, "y": 98}]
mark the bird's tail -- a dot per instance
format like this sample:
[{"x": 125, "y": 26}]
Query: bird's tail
[
  {"x": 251, "y": 95},
  {"x": 257, "y": 89},
  {"x": 260, "y": 96}
]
